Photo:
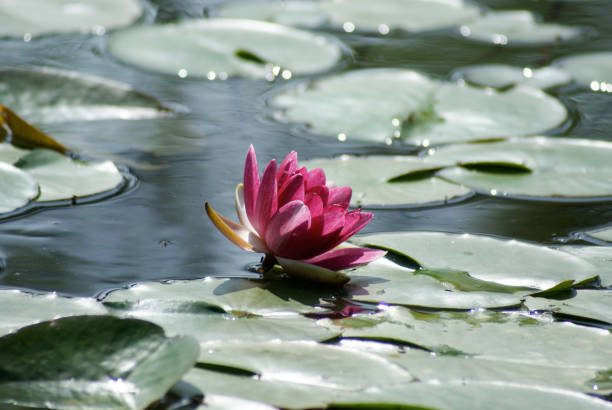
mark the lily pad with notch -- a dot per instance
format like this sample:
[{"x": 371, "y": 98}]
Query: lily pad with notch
[
  {"x": 503, "y": 76},
  {"x": 389, "y": 180},
  {"x": 222, "y": 48},
  {"x": 559, "y": 168},
  {"x": 390, "y": 104}
]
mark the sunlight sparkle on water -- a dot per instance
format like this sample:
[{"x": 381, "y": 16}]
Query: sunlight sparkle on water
[
  {"x": 500, "y": 39},
  {"x": 27, "y": 37},
  {"x": 348, "y": 27},
  {"x": 383, "y": 29},
  {"x": 527, "y": 72},
  {"x": 211, "y": 75},
  {"x": 342, "y": 137},
  {"x": 286, "y": 74},
  {"x": 182, "y": 73},
  {"x": 601, "y": 86}
]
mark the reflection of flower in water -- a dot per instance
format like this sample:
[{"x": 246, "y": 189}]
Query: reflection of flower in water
[{"x": 296, "y": 219}]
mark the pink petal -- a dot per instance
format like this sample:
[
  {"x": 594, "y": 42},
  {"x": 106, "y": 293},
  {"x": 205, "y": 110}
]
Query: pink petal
[
  {"x": 320, "y": 190},
  {"x": 310, "y": 272},
  {"x": 314, "y": 178},
  {"x": 315, "y": 203},
  {"x": 266, "y": 204},
  {"x": 287, "y": 228},
  {"x": 287, "y": 168},
  {"x": 340, "y": 196},
  {"x": 353, "y": 222},
  {"x": 251, "y": 183},
  {"x": 238, "y": 234},
  {"x": 345, "y": 258},
  {"x": 291, "y": 190}
]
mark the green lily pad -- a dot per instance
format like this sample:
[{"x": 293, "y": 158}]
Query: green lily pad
[
  {"x": 47, "y": 95},
  {"x": 61, "y": 177},
  {"x": 385, "y": 282},
  {"x": 357, "y": 15},
  {"x": 91, "y": 361},
  {"x": 517, "y": 27},
  {"x": 292, "y": 374},
  {"x": 515, "y": 338},
  {"x": 224, "y": 309},
  {"x": 221, "y": 402},
  {"x": 601, "y": 234},
  {"x": 381, "y": 105},
  {"x": 590, "y": 304},
  {"x": 386, "y": 180},
  {"x": 505, "y": 262},
  {"x": 221, "y": 48},
  {"x": 504, "y": 76},
  {"x": 20, "y": 308},
  {"x": 561, "y": 167},
  {"x": 33, "y": 17},
  {"x": 17, "y": 188},
  {"x": 591, "y": 69},
  {"x": 598, "y": 256},
  {"x": 10, "y": 154}
]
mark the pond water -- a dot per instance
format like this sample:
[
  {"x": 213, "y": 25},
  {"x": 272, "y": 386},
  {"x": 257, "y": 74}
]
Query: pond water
[{"x": 156, "y": 228}]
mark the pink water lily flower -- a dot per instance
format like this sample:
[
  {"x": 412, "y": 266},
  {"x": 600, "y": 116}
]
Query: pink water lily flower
[{"x": 297, "y": 219}]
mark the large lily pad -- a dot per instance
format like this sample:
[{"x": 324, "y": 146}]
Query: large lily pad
[
  {"x": 218, "y": 48},
  {"x": 61, "y": 177},
  {"x": 591, "y": 69},
  {"x": 357, "y": 15},
  {"x": 293, "y": 374},
  {"x": 224, "y": 309},
  {"x": 385, "y": 282},
  {"x": 91, "y": 361},
  {"x": 514, "y": 338},
  {"x": 503, "y": 76},
  {"x": 517, "y": 27},
  {"x": 33, "y": 17},
  {"x": 47, "y": 95},
  {"x": 598, "y": 256},
  {"x": 377, "y": 180},
  {"x": 17, "y": 188},
  {"x": 505, "y": 262},
  {"x": 20, "y": 308},
  {"x": 548, "y": 167},
  {"x": 380, "y": 105},
  {"x": 589, "y": 304},
  {"x": 601, "y": 234}
]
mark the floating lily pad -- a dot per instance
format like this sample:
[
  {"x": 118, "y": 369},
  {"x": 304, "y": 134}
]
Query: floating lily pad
[
  {"x": 517, "y": 27},
  {"x": 221, "y": 48},
  {"x": 20, "y": 308},
  {"x": 292, "y": 374},
  {"x": 33, "y": 17},
  {"x": 10, "y": 154},
  {"x": 91, "y": 361},
  {"x": 559, "y": 167},
  {"x": 589, "y": 304},
  {"x": 61, "y": 177},
  {"x": 514, "y": 338},
  {"x": 47, "y": 95},
  {"x": 385, "y": 282},
  {"x": 385, "y": 180},
  {"x": 601, "y": 234},
  {"x": 358, "y": 15},
  {"x": 505, "y": 262},
  {"x": 221, "y": 402},
  {"x": 503, "y": 76},
  {"x": 591, "y": 69},
  {"x": 598, "y": 256},
  {"x": 380, "y": 105},
  {"x": 17, "y": 188},
  {"x": 224, "y": 309}
]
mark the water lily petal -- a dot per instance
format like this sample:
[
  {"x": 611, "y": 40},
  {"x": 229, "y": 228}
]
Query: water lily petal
[
  {"x": 287, "y": 229},
  {"x": 340, "y": 195},
  {"x": 266, "y": 204},
  {"x": 354, "y": 221},
  {"x": 237, "y": 234},
  {"x": 345, "y": 258},
  {"x": 251, "y": 183},
  {"x": 315, "y": 178},
  {"x": 287, "y": 168},
  {"x": 310, "y": 272},
  {"x": 291, "y": 190},
  {"x": 241, "y": 208}
]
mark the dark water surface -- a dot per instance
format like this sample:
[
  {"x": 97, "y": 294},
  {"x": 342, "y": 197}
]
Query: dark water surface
[{"x": 157, "y": 229}]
